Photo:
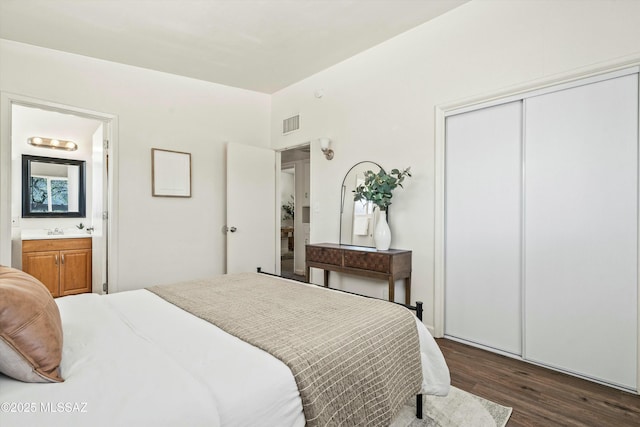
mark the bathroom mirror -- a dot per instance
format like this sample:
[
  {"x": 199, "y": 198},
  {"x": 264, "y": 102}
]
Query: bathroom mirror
[
  {"x": 53, "y": 188},
  {"x": 357, "y": 219}
]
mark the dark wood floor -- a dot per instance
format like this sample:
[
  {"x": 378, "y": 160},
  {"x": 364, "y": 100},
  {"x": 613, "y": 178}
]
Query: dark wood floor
[{"x": 538, "y": 396}]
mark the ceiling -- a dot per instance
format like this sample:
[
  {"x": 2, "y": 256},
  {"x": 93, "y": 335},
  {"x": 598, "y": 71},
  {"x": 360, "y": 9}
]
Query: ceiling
[{"x": 261, "y": 45}]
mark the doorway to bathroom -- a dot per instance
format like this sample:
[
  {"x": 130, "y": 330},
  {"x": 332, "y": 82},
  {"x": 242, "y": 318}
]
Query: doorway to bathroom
[
  {"x": 86, "y": 135},
  {"x": 295, "y": 218}
]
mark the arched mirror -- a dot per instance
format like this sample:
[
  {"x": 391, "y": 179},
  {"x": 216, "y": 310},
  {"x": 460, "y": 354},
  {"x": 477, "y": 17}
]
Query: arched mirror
[{"x": 357, "y": 219}]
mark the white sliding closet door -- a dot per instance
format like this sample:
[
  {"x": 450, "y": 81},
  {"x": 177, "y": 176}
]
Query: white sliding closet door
[
  {"x": 581, "y": 232},
  {"x": 483, "y": 227}
]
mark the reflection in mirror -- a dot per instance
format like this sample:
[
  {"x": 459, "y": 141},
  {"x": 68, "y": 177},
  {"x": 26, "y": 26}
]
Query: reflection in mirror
[
  {"x": 357, "y": 219},
  {"x": 53, "y": 187}
]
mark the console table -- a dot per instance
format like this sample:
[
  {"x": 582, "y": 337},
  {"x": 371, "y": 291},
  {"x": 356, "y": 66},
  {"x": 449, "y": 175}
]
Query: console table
[{"x": 390, "y": 265}]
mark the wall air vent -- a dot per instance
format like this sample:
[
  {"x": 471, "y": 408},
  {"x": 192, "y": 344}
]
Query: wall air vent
[{"x": 291, "y": 124}]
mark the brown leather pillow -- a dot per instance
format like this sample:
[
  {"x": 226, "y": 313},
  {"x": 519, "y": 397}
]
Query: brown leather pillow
[{"x": 30, "y": 329}]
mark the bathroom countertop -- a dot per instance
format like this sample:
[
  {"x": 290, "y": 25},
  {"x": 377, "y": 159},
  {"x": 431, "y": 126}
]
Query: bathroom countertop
[{"x": 44, "y": 236}]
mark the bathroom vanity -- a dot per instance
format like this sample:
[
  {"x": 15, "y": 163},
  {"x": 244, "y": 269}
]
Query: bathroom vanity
[{"x": 62, "y": 264}]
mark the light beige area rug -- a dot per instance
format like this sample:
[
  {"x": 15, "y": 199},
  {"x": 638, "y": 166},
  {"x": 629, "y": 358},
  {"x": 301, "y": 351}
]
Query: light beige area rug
[{"x": 458, "y": 409}]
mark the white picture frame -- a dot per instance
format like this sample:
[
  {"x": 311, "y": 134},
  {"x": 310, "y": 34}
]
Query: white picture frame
[{"x": 170, "y": 173}]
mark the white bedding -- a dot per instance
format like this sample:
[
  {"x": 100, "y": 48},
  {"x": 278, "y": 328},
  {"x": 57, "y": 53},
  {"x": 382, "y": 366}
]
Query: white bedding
[{"x": 134, "y": 359}]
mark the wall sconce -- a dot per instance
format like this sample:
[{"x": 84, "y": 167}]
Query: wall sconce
[
  {"x": 56, "y": 144},
  {"x": 324, "y": 146}
]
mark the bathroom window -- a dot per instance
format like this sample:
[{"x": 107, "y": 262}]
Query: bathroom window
[{"x": 49, "y": 194}]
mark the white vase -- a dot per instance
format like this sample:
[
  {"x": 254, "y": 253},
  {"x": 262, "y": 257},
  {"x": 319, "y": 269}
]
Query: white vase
[{"x": 382, "y": 232}]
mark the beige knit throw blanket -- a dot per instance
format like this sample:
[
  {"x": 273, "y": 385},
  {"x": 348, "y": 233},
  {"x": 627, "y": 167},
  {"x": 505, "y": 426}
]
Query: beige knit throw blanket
[{"x": 355, "y": 360}]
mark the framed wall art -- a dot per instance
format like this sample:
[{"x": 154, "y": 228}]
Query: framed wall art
[{"x": 170, "y": 173}]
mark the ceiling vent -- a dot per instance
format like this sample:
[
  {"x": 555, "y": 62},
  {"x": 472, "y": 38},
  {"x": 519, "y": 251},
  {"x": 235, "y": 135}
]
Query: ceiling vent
[{"x": 291, "y": 124}]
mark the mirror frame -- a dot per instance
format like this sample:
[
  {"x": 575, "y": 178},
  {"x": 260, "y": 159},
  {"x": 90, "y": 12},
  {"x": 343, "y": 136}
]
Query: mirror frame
[
  {"x": 343, "y": 194},
  {"x": 26, "y": 189}
]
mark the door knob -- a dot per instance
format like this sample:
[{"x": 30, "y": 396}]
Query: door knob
[{"x": 226, "y": 229}]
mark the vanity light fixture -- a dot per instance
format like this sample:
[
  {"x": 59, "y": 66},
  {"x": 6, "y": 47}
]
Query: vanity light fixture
[
  {"x": 57, "y": 144},
  {"x": 324, "y": 146}
]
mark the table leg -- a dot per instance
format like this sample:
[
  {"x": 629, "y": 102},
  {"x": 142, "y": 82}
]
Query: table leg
[
  {"x": 326, "y": 278},
  {"x": 392, "y": 288},
  {"x": 307, "y": 277},
  {"x": 407, "y": 290}
]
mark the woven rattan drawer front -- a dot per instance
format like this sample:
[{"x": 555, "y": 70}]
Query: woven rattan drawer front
[
  {"x": 367, "y": 261},
  {"x": 324, "y": 255}
]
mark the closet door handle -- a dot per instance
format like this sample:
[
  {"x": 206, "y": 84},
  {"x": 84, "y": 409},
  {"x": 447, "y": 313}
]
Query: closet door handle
[{"x": 63, "y": 258}]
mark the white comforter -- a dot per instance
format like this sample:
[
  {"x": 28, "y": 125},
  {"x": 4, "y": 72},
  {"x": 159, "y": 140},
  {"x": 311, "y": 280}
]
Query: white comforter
[{"x": 133, "y": 359}]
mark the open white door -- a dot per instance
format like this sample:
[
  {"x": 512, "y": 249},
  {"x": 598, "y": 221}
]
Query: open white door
[
  {"x": 251, "y": 213},
  {"x": 99, "y": 202}
]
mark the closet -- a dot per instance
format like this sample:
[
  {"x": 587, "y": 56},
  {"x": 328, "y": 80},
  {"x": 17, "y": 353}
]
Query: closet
[{"x": 541, "y": 227}]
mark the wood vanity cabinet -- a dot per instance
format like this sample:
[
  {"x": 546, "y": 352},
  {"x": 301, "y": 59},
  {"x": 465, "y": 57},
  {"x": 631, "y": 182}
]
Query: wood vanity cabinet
[{"x": 63, "y": 265}]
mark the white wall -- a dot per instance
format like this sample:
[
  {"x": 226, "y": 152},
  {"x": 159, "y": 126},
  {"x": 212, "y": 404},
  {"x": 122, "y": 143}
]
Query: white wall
[
  {"x": 380, "y": 105},
  {"x": 159, "y": 240}
]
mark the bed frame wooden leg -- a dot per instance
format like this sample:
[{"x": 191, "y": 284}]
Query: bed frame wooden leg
[{"x": 419, "y": 396}]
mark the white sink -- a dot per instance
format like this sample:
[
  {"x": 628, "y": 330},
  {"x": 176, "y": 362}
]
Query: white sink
[{"x": 68, "y": 233}]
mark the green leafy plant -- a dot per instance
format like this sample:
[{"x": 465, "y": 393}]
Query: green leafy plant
[
  {"x": 289, "y": 209},
  {"x": 378, "y": 187}
]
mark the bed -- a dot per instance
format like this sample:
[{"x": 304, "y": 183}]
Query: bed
[{"x": 133, "y": 358}]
